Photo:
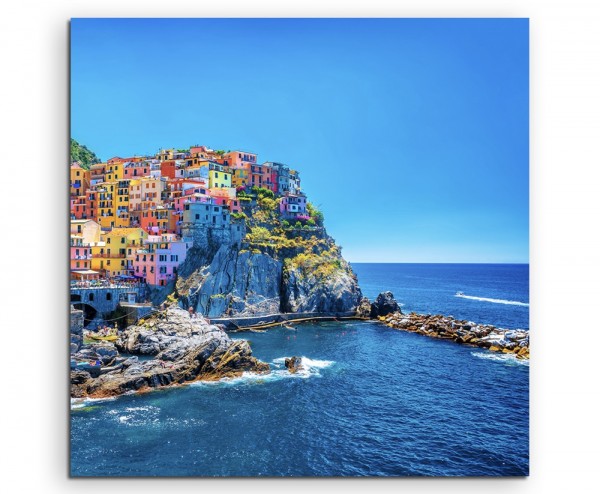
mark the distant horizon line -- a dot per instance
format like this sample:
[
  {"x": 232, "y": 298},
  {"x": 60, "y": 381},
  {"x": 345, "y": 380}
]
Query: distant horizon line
[{"x": 430, "y": 262}]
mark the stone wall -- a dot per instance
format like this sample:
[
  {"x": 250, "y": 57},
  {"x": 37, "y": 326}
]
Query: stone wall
[{"x": 105, "y": 299}]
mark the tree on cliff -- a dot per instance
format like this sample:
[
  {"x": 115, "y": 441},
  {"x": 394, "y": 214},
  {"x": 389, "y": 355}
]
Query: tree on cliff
[{"x": 83, "y": 155}]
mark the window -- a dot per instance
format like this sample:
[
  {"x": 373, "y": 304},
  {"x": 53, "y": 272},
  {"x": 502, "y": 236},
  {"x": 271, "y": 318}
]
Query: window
[
  {"x": 108, "y": 242},
  {"x": 122, "y": 240},
  {"x": 162, "y": 258},
  {"x": 108, "y": 296},
  {"x": 77, "y": 263},
  {"x": 174, "y": 258},
  {"x": 91, "y": 297},
  {"x": 197, "y": 216},
  {"x": 76, "y": 252}
]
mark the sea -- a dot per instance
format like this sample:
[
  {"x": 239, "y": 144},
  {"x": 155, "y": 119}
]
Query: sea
[{"x": 371, "y": 400}]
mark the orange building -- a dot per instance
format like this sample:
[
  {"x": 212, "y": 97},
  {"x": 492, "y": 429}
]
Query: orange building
[{"x": 79, "y": 180}]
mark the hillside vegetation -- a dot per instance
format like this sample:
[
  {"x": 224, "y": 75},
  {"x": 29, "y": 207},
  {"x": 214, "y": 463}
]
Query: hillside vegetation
[{"x": 83, "y": 155}]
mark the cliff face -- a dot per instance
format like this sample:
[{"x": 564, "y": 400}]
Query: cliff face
[
  {"x": 306, "y": 292},
  {"x": 240, "y": 282},
  {"x": 275, "y": 268}
]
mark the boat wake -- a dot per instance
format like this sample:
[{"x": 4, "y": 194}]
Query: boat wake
[{"x": 492, "y": 300}]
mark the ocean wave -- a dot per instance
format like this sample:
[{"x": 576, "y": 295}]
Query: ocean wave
[
  {"x": 310, "y": 368},
  {"x": 493, "y": 300},
  {"x": 78, "y": 403},
  {"x": 506, "y": 358}
]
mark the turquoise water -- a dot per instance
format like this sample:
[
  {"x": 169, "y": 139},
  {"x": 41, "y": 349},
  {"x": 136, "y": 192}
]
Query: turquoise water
[{"x": 372, "y": 401}]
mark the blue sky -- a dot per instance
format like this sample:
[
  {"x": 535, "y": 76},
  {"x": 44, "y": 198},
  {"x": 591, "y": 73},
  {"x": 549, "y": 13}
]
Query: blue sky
[{"x": 412, "y": 135}]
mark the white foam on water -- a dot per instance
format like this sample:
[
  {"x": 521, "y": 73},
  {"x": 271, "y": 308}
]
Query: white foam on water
[
  {"x": 77, "y": 403},
  {"x": 493, "y": 300},
  {"x": 505, "y": 358},
  {"x": 310, "y": 368}
]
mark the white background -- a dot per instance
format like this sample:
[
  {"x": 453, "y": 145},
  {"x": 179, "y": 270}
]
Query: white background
[{"x": 565, "y": 83}]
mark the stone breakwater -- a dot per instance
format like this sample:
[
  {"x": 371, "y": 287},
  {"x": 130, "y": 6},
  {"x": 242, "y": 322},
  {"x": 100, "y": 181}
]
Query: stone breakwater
[{"x": 514, "y": 342}]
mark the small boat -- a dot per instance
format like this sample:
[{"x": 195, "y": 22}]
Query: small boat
[
  {"x": 111, "y": 337},
  {"x": 459, "y": 294},
  {"x": 287, "y": 326}
]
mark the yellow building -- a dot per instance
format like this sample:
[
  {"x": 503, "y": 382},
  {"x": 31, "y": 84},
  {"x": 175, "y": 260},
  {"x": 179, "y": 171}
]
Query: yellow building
[
  {"x": 239, "y": 177},
  {"x": 114, "y": 172},
  {"x": 121, "y": 204},
  {"x": 114, "y": 254},
  {"x": 218, "y": 175},
  {"x": 105, "y": 204}
]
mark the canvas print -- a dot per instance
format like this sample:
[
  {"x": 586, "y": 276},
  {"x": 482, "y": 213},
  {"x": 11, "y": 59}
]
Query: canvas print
[{"x": 299, "y": 247}]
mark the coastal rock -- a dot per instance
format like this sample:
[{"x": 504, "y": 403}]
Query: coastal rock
[
  {"x": 384, "y": 304},
  {"x": 293, "y": 364},
  {"x": 188, "y": 349},
  {"x": 463, "y": 332},
  {"x": 364, "y": 309}
]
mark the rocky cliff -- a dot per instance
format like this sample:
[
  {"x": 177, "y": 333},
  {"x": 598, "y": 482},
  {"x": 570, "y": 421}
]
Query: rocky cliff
[{"x": 275, "y": 268}]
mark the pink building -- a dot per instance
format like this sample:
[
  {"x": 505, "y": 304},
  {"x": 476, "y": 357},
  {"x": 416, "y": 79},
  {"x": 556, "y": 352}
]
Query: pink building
[
  {"x": 225, "y": 196},
  {"x": 292, "y": 206},
  {"x": 137, "y": 169},
  {"x": 238, "y": 159},
  {"x": 81, "y": 253},
  {"x": 158, "y": 261}
]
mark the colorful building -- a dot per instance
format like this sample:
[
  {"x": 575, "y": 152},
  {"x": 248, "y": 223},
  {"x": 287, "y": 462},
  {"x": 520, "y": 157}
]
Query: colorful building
[
  {"x": 114, "y": 171},
  {"x": 240, "y": 177},
  {"x": 121, "y": 204},
  {"x": 135, "y": 169},
  {"x": 89, "y": 230},
  {"x": 80, "y": 253},
  {"x": 292, "y": 205},
  {"x": 97, "y": 173},
  {"x": 79, "y": 180},
  {"x": 159, "y": 258},
  {"x": 146, "y": 190},
  {"x": 238, "y": 159},
  {"x": 226, "y": 196},
  {"x": 218, "y": 175},
  {"x": 281, "y": 177},
  {"x": 114, "y": 254},
  {"x": 208, "y": 215},
  {"x": 78, "y": 208},
  {"x": 294, "y": 182},
  {"x": 105, "y": 210}
]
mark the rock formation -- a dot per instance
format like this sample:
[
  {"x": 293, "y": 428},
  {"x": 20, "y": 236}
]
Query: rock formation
[
  {"x": 384, "y": 305},
  {"x": 273, "y": 269},
  {"x": 185, "y": 349},
  {"x": 293, "y": 364},
  {"x": 515, "y": 342}
]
